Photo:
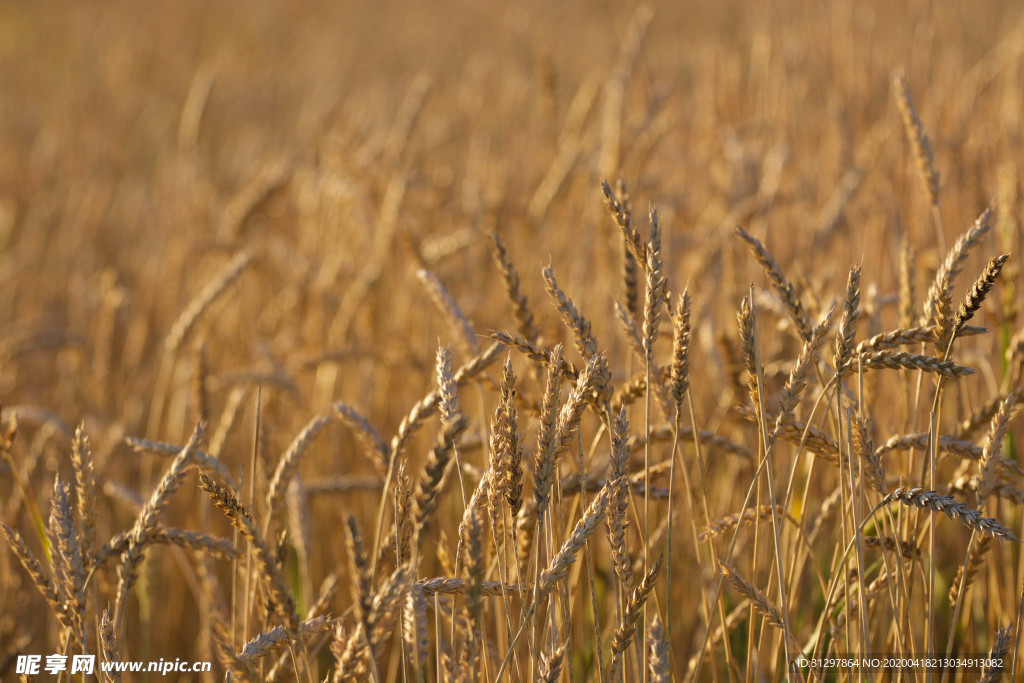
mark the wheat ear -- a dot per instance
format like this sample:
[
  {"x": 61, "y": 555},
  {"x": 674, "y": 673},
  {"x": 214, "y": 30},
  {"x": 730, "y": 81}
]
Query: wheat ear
[
  {"x": 965, "y": 514},
  {"x": 520, "y": 304},
  {"x": 1000, "y": 649},
  {"x": 659, "y": 659},
  {"x": 938, "y": 307},
  {"x": 634, "y": 610},
  {"x": 919, "y": 142},
  {"x": 786, "y": 291},
  {"x": 280, "y": 595}
]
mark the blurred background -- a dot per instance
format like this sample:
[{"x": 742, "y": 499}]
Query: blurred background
[{"x": 346, "y": 145}]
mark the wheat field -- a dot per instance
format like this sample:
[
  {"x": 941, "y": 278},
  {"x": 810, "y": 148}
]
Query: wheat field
[{"x": 473, "y": 342}]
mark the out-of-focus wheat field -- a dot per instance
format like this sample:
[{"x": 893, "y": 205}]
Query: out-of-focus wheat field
[{"x": 320, "y": 231}]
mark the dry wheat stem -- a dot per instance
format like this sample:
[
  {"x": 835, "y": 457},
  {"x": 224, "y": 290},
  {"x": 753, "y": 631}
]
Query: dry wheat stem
[
  {"x": 732, "y": 619},
  {"x": 679, "y": 388},
  {"x": 908, "y": 271}
]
